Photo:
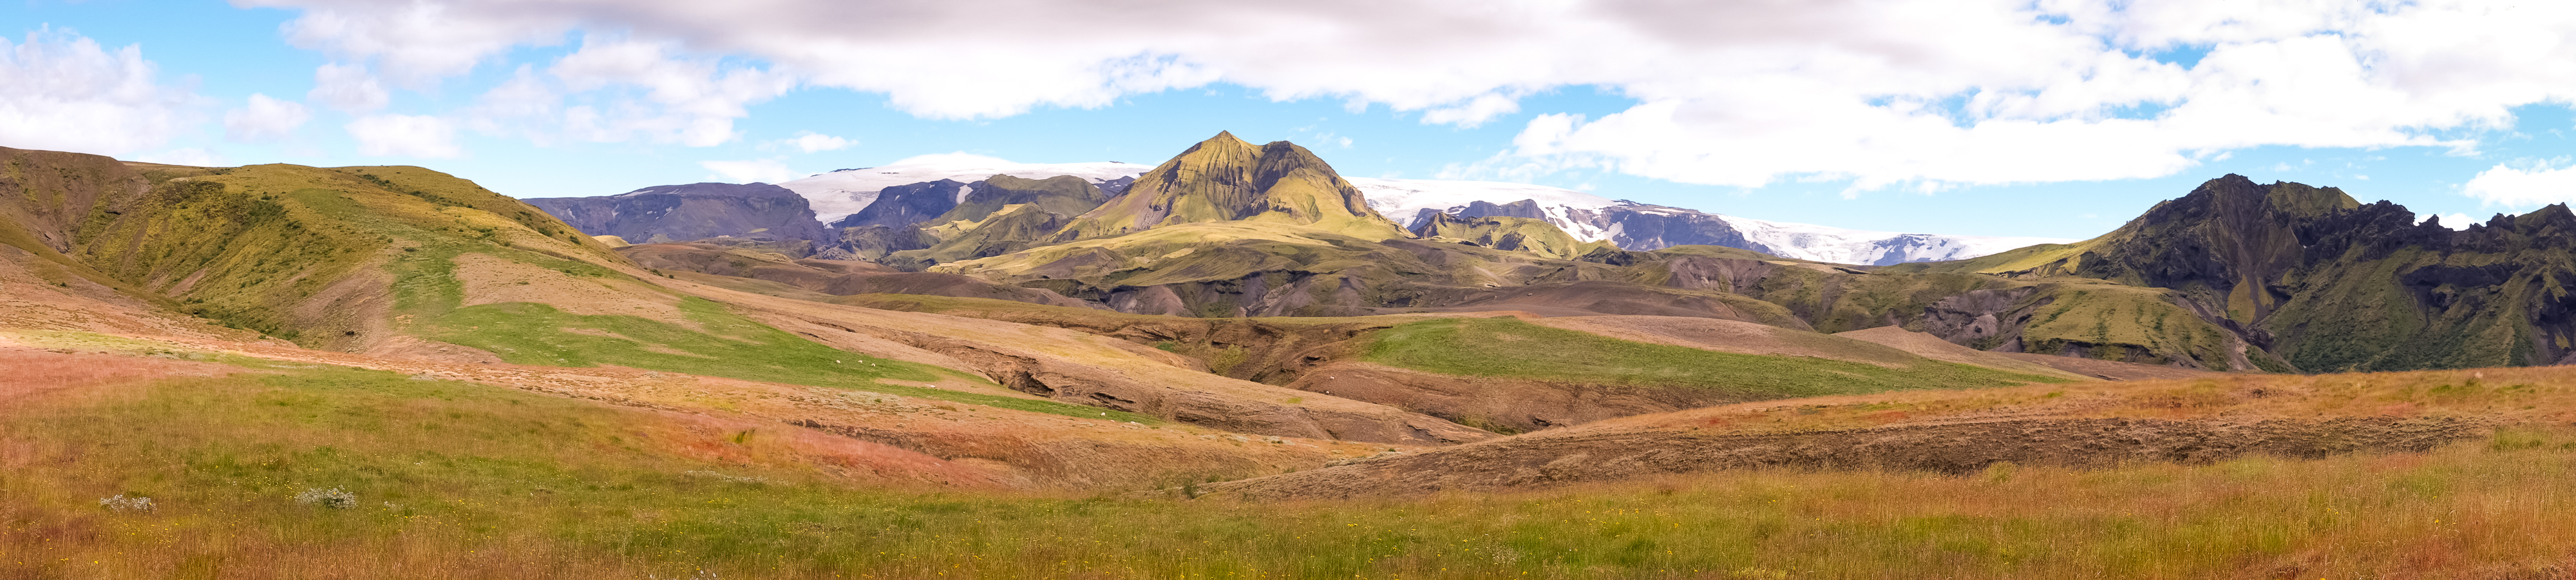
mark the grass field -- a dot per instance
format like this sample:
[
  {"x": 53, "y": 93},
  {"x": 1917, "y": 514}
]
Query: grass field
[
  {"x": 1494, "y": 347},
  {"x": 458, "y": 480}
]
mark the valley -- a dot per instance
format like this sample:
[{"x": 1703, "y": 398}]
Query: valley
[{"x": 1240, "y": 363}]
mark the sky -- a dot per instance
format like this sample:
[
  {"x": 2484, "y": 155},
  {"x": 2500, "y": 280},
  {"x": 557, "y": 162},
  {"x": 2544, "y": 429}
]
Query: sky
[{"x": 2049, "y": 118}]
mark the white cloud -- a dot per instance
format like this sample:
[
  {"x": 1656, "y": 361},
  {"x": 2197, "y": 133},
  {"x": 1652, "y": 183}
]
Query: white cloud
[
  {"x": 517, "y": 107},
  {"x": 614, "y": 90},
  {"x": 419, "y": 42},
  {"x": 264, "y": 118},
  {"x": 405, "y": 136},
  {"x": 2532, "y": 185},
  {"x": 811, "y": 142},
  {"x": 1882, "y": 92},
  {"x": 64, "y": 92},
  {"x": 751, "y": 171},
  {"x": 348, "y": 88}
]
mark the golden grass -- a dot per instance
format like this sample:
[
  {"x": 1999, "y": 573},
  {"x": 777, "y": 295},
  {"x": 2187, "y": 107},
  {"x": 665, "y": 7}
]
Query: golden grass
[{"x": 490, "y": 483}]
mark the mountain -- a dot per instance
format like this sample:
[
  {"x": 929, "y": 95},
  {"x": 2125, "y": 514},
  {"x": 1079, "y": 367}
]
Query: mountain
[
  {"x": 1503, "y": 233},
  {"x": 672, "y": 213},
  {"x": 387, "y": 352},
  {"x": 884, "y": 203},
  {"x": 1011, "y": 228},
  {"x": 2332, "y": 284},
  {"x": 404, "y": 266},
  {"x": 943, "y": 201},
  {"x": 901, "y": 206},
  {"x": 1640, "y": 226},
  {"x": 839, "y": 193},
  {"x": 1228, "y": 179}
]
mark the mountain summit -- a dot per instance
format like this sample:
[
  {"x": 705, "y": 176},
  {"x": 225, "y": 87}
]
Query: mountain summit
[{"x": 1228, "y": 179}]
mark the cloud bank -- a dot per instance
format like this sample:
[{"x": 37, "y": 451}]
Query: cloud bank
[{"x": 1923, "y": 94}]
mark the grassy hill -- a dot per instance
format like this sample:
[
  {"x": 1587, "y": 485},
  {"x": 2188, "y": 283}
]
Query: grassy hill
[{"x": 1227, "y": 179}]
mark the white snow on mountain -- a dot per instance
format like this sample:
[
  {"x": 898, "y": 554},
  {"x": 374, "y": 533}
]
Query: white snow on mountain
[
  {"x": 1588, "y": 217},
  {"x": 1403, "y": 199},
  {"x": 841, "y": 193},
  {"x": 1593, "y": 218},
  {"x": 1842, "y": 246}
]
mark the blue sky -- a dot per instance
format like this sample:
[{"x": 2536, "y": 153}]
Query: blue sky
[{"x": 2054, "y": 118}]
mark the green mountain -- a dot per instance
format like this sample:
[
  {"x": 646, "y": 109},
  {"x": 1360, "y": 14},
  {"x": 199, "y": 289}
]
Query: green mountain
[
  {"x": 1062, "y": 195},
  {"x": 2330, "y": 284},
  {"x": 1008, "y": 229},
  {"x": 1228, "y": 179},
  {"x": 1535, "y": 236}
]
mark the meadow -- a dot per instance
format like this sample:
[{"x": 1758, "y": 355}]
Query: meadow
[
  {"x": 1466, "y": 347},
  {"x": 461, "y": 480}
]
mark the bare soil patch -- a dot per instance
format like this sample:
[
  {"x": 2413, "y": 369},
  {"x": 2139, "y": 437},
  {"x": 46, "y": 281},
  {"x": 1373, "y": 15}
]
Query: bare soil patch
[
  {"x": 1731, "y": 336},
  {"x": 1932, "y": 347},
  {"x": 493, "y": 280},
  {"x": 2110, "y": 370}
]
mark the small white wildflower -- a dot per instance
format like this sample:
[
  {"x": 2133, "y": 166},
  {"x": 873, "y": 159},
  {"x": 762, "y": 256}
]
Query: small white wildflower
[
  {"x": 120, "y": 503},
  {"x": 333, "y": 498}
]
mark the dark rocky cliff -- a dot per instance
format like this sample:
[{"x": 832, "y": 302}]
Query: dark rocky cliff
[{"x": 692, "y": 212}]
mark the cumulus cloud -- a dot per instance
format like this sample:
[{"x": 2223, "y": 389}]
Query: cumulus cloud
[
  {"x": 348, "y": 88},
  {"x": 812, "y": 142},
  {"x": 2535, "y": 183},
  {"x": 751, "y": 171},
  {"x": 614, "y": 90},
  {"x": 264, "y": 118},
  {"x": 1924, "y": 93},
  {"x": 405, "y": 136},
  {"x": 65, "y": 92}
]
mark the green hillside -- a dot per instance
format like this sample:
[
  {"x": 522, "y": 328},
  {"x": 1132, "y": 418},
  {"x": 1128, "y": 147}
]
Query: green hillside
[{"x": 1508, "y": 348}]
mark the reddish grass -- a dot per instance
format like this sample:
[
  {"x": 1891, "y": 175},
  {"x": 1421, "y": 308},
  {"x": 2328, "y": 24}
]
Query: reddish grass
[{"x": 30, "y": 371}]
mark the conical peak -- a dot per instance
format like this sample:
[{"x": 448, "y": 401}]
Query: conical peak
[
  {"x": 1226, "y": 138},
  {"x": 1228, "y": 179}
]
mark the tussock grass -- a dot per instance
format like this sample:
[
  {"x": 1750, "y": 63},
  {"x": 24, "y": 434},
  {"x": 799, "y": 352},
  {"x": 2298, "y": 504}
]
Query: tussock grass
[
  {"x": 456, "y": 480},
  {"x": 1510, "y": 348}
]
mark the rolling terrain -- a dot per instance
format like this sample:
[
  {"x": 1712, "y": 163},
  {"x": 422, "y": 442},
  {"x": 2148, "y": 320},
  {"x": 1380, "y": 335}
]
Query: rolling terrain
[{"x": 1233, "y": 366}]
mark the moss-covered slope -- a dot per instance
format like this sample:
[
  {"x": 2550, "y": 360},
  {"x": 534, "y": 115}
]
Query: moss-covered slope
[
  {"x": 1535, "y": 236},
  {"x": 1228, "y": 179}
]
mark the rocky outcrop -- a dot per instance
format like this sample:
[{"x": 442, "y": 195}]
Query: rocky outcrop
[
  {"x": 675, "y": 213},
  {"x": 2330, "y": 284}
]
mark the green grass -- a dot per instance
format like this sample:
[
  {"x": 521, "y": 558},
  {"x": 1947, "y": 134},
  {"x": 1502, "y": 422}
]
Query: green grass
[
  {"x": 1506, "y": 347},
  {"x": 486, "y": 482}
]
